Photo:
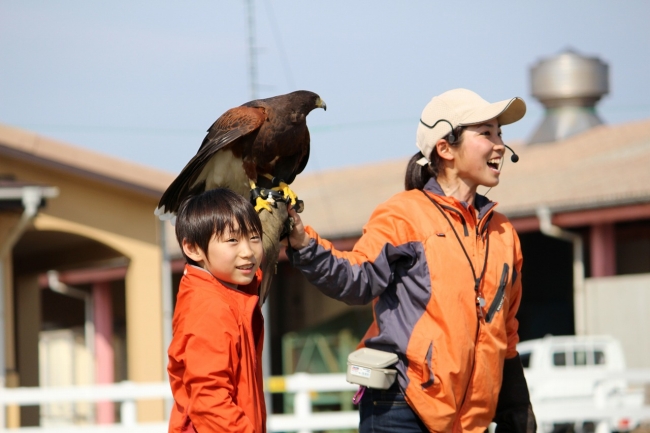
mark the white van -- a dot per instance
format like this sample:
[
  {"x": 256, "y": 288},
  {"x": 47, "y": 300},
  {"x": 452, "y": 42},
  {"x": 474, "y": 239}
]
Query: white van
[{"x": 575, "y": 383}]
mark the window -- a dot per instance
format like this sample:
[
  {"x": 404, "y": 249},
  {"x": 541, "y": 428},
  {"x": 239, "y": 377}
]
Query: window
[
  {"x": 580, "y": 357},
  {"x": 559, "y": 358}
]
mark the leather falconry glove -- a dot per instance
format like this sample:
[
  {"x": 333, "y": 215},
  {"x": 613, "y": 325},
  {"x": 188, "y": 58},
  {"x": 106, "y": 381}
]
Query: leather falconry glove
[{"x": 514, "y": 411}]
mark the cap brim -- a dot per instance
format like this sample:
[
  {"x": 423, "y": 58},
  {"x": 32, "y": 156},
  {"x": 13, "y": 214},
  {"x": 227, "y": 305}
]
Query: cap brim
[{"x": 506, "y": 112}]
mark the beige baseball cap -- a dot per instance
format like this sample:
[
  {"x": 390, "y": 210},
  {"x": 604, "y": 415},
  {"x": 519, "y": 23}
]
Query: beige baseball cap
[{"x": 461, "y": 107}]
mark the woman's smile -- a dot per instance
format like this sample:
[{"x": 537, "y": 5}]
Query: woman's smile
[{"x": 495, "y": 163}]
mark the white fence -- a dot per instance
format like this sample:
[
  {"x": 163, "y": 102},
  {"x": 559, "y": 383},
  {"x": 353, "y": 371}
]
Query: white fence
[
  {"x": 605, "y": 409},
  {"x": 303, "y": 420}
]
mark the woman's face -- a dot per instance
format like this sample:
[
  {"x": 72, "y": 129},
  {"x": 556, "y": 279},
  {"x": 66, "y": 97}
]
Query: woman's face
[{"x": 479, "y": 156}]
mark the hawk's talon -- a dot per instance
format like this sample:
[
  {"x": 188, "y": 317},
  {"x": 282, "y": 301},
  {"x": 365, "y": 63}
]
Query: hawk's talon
[
  {"x": 261, "y": 203},
  {"x": 280, "y": 192},
  {"x": 299, "y": 206},
  {"x": 259, "y": 197},
  {"x": 288, "y": 193}
]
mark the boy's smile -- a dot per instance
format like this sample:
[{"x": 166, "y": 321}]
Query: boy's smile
[{"x": 232, "y": 258}]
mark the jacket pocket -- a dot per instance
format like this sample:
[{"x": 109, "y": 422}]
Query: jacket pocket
[
  {"x": 427, "y": 369},
  {"x": 188, "y": 425},
  {"x": 497, "y": 302}
]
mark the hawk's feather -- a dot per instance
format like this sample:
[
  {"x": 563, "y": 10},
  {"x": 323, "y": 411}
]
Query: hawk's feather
[{"x": 260, "y": 139}]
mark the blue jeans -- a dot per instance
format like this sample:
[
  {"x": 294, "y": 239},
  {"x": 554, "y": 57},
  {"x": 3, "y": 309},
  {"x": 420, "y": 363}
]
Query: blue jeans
[{"x": 386, "y": 411}]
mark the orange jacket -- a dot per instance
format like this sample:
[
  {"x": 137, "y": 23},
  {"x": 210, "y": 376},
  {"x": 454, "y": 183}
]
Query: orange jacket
[
  {"x": 215, "y": 357},
  {"x": 447, "y": 311}
]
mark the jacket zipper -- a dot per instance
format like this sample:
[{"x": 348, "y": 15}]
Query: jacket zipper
[
  {"x": 482, "y": 231},
  {"x": 477, "y": 282},
  {"x": 471, "y": 376},
  {"x": 497, "y": 302}
]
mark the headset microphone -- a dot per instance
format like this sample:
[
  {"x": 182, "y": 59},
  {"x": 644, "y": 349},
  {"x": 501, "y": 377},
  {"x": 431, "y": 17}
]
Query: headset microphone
[
  {"x": 514, "y": 157},
  {"x": 451, "y": 138}
]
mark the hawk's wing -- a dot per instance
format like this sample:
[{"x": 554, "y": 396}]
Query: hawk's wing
[
  {"x": 226, "y": 130},
  {"x": 303, "y": 161}
]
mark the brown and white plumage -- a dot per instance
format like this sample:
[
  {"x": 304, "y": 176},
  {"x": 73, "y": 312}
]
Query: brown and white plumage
[{"x": 264, "y": 142}]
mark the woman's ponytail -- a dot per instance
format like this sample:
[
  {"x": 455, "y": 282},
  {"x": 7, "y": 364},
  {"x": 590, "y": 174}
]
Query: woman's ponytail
[{"x": 417, "y": 175}]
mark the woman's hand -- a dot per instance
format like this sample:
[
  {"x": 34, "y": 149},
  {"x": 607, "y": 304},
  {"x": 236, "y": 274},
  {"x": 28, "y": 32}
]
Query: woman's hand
[{"x": 297, "y": 238}]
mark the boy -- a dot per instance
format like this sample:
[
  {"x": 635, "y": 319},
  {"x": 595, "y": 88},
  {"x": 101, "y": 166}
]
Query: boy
[{"x": 215, "y": 357}]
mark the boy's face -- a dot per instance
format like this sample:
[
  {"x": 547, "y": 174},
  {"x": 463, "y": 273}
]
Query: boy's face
[{"x": 232, "y": 258}]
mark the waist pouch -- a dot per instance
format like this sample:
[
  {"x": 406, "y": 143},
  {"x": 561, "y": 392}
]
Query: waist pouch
[{"x": 367, "y": 367}]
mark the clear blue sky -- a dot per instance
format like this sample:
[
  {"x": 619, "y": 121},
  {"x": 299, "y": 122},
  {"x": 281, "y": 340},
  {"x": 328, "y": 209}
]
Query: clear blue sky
[{"x": 143, "y": 80}]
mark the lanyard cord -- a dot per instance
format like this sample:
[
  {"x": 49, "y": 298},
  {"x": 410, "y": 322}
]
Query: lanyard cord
[{"x": 477, "y": 281}]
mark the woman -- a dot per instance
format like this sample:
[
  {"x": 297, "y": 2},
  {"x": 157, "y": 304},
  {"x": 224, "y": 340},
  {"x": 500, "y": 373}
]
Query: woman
[{"x": 444, "y": 271}]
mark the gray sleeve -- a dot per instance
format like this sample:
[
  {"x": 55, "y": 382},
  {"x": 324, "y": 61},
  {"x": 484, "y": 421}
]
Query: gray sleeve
[{"x": 353, "y": 283}]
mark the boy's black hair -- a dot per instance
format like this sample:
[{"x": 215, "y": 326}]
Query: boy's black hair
[{"x": 211, "y": 213}]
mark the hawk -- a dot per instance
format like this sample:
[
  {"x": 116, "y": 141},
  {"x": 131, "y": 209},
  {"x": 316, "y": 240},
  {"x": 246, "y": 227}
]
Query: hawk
[{"x": 257, "y": 150}]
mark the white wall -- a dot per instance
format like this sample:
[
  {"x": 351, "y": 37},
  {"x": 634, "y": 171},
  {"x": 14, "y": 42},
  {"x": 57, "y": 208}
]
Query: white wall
[
  {"x": 64, "y": 360},
  {"x": 620, "y": 306}
]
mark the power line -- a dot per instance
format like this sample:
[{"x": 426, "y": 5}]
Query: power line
[
  {"x": 140, "y": 130},
  {"x": 111, "y": 129}
]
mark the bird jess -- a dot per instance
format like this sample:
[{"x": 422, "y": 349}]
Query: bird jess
[{"x": 257, "y": 150}]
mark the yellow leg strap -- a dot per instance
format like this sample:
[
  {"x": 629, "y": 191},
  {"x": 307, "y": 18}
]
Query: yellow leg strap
[{"x": 260, "y": 203}]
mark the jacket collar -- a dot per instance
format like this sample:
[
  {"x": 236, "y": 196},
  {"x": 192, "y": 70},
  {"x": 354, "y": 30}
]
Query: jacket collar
[
  {"x": 198, "y": 272},
  {"x": 481, "y": 203}
]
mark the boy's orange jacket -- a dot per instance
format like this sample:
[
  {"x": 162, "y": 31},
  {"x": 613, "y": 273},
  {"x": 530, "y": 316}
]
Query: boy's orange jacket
[
  {"x": 446, "y": 288},
  {"x": 215, "y": 358}
]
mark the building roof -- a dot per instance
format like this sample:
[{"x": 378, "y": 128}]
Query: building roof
[
  {"x": 43, "y": 151},
  {"x": 607, "y": 166},
  {"x": 339, "y": 202}
]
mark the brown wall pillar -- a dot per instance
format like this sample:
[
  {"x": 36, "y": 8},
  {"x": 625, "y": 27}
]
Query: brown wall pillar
[
  {"x": 28, "y": 315},
  {"x": 12, "y": 414},
  {"x": 104, "y": 356},
  {"x": 603, "y": 250}
]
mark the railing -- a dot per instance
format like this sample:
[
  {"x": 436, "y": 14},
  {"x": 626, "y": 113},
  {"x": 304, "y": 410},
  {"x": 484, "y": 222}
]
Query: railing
[
  {"x": 605, "y": 409},
  {"x": 303, "y": 420},
  {"x": 126, "y": 393}
]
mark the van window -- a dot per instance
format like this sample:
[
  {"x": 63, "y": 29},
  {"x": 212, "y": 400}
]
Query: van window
[
  {"x": 525, "y": 359},
  {"x": 580, "y": 357},
  {"x": 559, "y": 358}
]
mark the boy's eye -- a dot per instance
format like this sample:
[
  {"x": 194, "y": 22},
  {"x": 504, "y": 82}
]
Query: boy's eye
[{"x": 256, "y": 238}]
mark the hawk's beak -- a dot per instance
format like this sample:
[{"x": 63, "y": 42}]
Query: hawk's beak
[{"x": 321, "y": 104}]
